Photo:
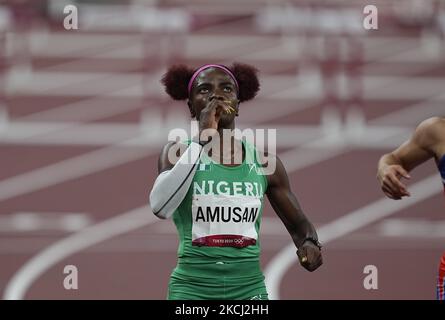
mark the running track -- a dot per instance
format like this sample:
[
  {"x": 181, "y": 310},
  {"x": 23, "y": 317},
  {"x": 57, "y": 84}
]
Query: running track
[{"x": 81, "y": 145}]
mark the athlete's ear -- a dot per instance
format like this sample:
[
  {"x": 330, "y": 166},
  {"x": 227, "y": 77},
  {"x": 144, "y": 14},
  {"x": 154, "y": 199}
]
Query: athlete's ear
[{"x": 192, "y": 110}]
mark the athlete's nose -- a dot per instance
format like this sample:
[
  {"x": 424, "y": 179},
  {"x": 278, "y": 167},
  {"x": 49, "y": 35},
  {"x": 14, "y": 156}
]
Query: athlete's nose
[
  {"x": 216, "y": 96},
  {"x": 216, "y": 93}
]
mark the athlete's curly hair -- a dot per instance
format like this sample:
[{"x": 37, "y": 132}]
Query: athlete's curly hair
[{"x": 178, "y": 76}]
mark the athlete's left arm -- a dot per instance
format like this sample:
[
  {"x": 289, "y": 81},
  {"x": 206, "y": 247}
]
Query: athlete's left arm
[{"x": 288, "y": 209}]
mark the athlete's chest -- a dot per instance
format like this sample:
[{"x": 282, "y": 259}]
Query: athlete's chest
[
  {"x": 246, "y": 180},
  {"x": 226, "y": 204}
]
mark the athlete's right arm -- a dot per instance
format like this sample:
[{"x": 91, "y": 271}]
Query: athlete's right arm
[
  {"x": 396, "y": 164},
  {"x": 174, "y": 178}
]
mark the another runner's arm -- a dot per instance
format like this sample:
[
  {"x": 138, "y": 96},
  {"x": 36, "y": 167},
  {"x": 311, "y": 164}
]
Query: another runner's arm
[
  {"x": 288, "y": 209},
  {"x": 174, "y": 179},
  {"x": 418, "y": 149},
  {"x": 413, "y": 152}
]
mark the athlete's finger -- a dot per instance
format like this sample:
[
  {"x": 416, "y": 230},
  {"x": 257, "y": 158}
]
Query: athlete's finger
[
  {"x": 213, "y": 106},
  {"x": 401, "y": 188},
  {"x": 390, "y": 187},
  {"x": 221, "y": 107},
  {"x": 311, "y": 256},
  {"x": 402, "y": 172},
  {"x": 317, "y": 261},
  {"x": 389, "y": 193},
  {"x": 302, "y": 255}
]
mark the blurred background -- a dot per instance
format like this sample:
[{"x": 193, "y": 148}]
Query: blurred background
[{"x": 83, "y": 118}]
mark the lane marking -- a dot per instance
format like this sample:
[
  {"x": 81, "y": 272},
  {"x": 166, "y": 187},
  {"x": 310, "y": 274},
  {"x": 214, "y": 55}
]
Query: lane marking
[
  {"x": 44, "y": 221},
  {"x": 55, "y": 253}
]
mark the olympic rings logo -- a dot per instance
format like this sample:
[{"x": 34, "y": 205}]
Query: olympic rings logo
[{"x": 238, "y": 241}]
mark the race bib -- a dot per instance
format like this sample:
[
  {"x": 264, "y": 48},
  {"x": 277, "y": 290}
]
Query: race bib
[{"x": 224, "y": 220}]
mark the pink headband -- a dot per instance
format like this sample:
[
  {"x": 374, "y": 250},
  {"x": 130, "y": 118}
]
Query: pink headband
[{"x": 206, "y": 66}]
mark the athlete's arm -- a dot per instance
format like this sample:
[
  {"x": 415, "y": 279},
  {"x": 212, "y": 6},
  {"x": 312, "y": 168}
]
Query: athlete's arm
[
  {"x": 413, "y": 152},
  {"x": 288, "y": 209},
  {"x": 174, "y": 179}
]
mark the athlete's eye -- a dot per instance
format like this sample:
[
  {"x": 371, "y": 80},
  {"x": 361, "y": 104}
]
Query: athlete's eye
[
  {"x": 203, "y": 90},
  {"x": 227, "y": 89}
]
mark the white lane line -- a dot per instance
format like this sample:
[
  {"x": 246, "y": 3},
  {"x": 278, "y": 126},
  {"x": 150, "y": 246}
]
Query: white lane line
[
  {"x": 67, "y": 133},
  {"x": 348, "y": 223},
  {"x": 55, "y": 253},
  {"x": 412, "y": 227},
  {"x": 25, "y": 222},
  {"x": 85, "y": 110},
  {"x": 100, "y": 134}
]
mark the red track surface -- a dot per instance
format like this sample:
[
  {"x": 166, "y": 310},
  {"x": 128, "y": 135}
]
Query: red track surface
[{"x": 137, "y": 264}]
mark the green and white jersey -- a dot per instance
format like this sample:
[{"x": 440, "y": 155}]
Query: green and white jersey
[{"x": 220, "y": 217}]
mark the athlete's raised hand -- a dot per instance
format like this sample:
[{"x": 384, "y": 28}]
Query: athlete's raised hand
[{"x": 210, "y": 115}]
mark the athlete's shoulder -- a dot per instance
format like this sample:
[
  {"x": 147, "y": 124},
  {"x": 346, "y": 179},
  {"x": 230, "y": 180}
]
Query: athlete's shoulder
[
  {"x": 430, "y": 131},
  {"x": 166, "y": 148},
  {"x": 274, "y": 169},
  {"x": 170, "y": 153},
  {"x": 168, "y": 145},
  {"x": 264, "y": 157},
  {"x": 175, "y": 144},
  {"x": 433, "y": 123}
]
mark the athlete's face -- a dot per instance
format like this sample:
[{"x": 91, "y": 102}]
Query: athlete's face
[{"x": 213, "y": 83}]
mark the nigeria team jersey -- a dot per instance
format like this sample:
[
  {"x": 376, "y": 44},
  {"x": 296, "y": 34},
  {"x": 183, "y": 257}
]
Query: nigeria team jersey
[{"x": 220, "y": 216}]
